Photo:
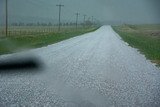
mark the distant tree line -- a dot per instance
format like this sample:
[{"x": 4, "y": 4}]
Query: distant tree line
[
  {"x": 31, "y": 24},
  {"x": 87, "y": 23}
]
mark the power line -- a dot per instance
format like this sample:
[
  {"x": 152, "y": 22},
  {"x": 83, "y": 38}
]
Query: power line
[
  {"x": 60, "y": 6},
  {"x": 40, "y": 4}
]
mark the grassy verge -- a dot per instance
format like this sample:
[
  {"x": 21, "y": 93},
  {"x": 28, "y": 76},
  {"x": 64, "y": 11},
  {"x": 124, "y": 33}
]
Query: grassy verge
[
  {"x": 14, "y": 43},
  {"x": 144, "y": 37}
]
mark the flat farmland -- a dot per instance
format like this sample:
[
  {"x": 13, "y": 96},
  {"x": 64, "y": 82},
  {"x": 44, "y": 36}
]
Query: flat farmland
[
  {"x": 35, "y": 30},
  {"x": 23, "y": 37},
  {"x": 146, "y": 38}
]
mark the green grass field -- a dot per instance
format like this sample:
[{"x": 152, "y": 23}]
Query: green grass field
[
  {"x": 15, "y": 43},
  {"x": 144, "y": 37}
]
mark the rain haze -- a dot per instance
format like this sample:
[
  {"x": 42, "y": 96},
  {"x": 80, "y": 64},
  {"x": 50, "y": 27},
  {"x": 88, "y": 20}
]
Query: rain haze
[
  {"x": 80, "y": 53},
  {"x": 105, "y": 11}
]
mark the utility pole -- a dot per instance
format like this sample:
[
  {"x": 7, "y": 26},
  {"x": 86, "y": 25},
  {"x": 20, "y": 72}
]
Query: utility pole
[
  {"x": 92, "y": 20},
  {"x": 6, "y": 18},
  {"x": 77, "y": 15},
  {"x": 84, "y": 20},
  {"x": 59, "y": 25}
]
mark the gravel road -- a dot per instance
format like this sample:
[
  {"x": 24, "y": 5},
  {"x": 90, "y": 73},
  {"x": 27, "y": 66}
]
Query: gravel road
[{"x": 96, "y": 69}]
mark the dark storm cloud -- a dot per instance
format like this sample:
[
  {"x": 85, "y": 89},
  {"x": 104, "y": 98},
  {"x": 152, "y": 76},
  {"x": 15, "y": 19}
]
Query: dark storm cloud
[{"x": 118, "y": 11}]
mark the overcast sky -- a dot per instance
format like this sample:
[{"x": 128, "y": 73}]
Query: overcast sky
[{"x": 117, "y": 11}]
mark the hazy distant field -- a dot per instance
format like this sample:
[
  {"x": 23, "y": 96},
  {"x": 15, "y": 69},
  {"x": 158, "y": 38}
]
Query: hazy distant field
[
  {"x": 34, "y": 30},
  {"x": 32, "y": 37},
  {"x": 144, "y": 37}
]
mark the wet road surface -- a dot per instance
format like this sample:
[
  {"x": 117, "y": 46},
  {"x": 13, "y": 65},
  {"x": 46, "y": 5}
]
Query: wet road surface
[{"x": 96, "y": 69}]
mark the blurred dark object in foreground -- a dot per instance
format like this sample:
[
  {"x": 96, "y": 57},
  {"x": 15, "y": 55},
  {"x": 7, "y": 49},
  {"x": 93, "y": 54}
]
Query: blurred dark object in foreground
[{"x": 16, "y": 64}]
